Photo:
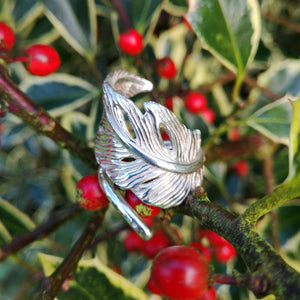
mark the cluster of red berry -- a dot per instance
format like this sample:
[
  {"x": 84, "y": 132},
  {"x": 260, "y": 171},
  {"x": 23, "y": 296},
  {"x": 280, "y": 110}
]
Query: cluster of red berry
[
  {"x": 132, "y": 241},
  {"x": 210, "y": 243},
  {"x": 131, "y": 43},
  {"x": 40, "y": 60},
  {"x": 241, "y": 167},
  {"x": 178, "y": 272},
  {"x": 196, "y": 103}
]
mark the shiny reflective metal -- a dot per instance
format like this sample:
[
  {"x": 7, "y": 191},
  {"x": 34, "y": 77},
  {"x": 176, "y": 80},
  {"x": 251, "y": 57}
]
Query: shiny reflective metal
[{"x": 132, "y": 154}]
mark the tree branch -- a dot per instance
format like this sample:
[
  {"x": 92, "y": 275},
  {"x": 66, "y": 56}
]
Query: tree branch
[
  {"x": 286, "y": 191},
  {"x": 18, "y": 103},
  {"x": 262, "y": 261},
  {"x": 39, "y": 232},
  {"x": 52, "y": 284},
  {"x": 281, "y": 20}
]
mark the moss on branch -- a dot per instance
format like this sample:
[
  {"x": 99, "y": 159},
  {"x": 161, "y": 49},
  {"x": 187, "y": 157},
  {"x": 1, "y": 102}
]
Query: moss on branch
[{"x": 273, "y": 274}]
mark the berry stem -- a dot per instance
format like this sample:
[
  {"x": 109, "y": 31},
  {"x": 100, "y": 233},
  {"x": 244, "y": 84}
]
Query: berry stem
[
  {"x": 18, "y": 58},
  {"x": 109, "y": 235},
  {"x": 18, "y": 103},
  {"x": 122, "y": 13},
  {"x": 13, "y": 59},
  {"x": 39, "y": 232},
  {"x": 227, "y": 279},
  {"x": 52, "y": 284},
  {"x": 249, "y": 281}
]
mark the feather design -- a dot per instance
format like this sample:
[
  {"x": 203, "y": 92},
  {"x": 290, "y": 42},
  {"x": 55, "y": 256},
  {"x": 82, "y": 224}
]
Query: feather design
[{"x": 131, "y": 151}]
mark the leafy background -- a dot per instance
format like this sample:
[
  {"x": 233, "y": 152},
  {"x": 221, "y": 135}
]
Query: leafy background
[{"x": 256, "y": 40}]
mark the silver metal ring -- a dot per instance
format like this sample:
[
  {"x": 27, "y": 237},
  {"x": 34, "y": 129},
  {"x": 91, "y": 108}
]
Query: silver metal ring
[{"x": 132, "y": 154}]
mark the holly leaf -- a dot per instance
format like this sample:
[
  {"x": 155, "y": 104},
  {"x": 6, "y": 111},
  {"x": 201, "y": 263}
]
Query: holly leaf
[
  {"x": 176, "y": 7},
  {"x": 294, "y": 149},
  {"x": 25, "y": 12},
  {"x": 281, "y": 78},
  {"x": 59, "y": 93},
  {"x": 76, "y": 21},
  {"x": 93, "y": 280},
  {"x": 15, "y": 221},
  {"x": 273, "y": 120},
  {"x": 229, "y": 29},
  {"x": 4, "y": 234}
]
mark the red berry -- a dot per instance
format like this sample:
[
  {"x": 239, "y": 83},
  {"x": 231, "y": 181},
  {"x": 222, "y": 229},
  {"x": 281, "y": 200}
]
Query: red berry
[
  {"x": 225, "y": 252},
  {"x": 133, "y": 242},
  {"x": 148, "y": 221},
  {"x": 141, "y": 208},
  {"x": 152, "y": 287},
  {"x": 131, "y": 42},
  {"x": 210, "y": 294},
  {"x": 158, "y": 242},
  {"x": 213, "y": 238},
  {"x": 42, "y": 60},
  {"x": 195, "y": 102},
  {"x": 90, "y": 194},
  {"x": 233, "y": 134},
  {"x": 169, "y": 103},
  {"x": 208, "y": 115},
  {"x": 241, "y": 168},
  {"x": 180, "y": 272},
  {"x": 7, "y": 37},
  {"x": 206, "y": 251},
  {"x": 165, "y": 67}
]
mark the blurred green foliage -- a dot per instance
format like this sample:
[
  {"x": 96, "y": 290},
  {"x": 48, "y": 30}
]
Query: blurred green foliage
[{"x": 38, "y": 179}]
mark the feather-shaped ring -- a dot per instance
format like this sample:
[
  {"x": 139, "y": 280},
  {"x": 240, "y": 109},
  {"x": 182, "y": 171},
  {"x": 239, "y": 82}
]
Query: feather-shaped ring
[{"x": 132, "y": 154}]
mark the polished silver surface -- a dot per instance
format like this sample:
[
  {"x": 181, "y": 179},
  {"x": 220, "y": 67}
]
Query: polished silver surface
[{"x": 132, "y": 154}]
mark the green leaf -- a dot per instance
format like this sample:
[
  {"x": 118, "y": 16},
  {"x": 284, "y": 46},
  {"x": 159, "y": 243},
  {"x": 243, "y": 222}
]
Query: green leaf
[
  {"x": 176, "y": 7},
  {"x": 281, "y": 78},
  {"x": 26, "y": 12},
  {"x": 172, "y": 43},
  {"x": 4, "y": 234},
  {"x": 59, "y": 93},
  {"x": 15, "y": 221},
  {"x": 49, "y": 263},
  {"x": 194, "y": 121},
  {"x": 93, "y": 280},
  {"x": 294, "y": 149},
  {"x": 273, "y": 120},
  {"x": 76, "y": 21},
  {"x": 290, "y": 188},
  {"x": 42, "y": 33},
  {"x": 230, "y": 30},
  {"x": 140, "y": 12}
]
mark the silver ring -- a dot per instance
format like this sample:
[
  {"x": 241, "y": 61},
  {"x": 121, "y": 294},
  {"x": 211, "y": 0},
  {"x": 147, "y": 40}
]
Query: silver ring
[{"x": 132, "y": 154}]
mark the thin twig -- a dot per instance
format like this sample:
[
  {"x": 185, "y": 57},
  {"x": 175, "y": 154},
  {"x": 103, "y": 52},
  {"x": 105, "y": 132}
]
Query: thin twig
[
  {"x": 18, "y": 103},
  {"x": 122, "y": 13},
  {"x": 109, "y": 235},
  {"x": 39, "y": 232},
  {"x": 52, "y": 284},
  {"x": 254, "y": 282},
  {"x": 253, "y": 83},
  {"x": 281, "y": 20}
]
